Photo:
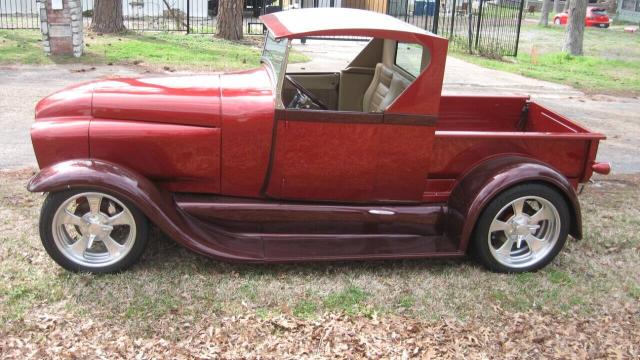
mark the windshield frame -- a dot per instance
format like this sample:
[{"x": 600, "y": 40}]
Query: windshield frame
[{"x": 276, "y": 74}]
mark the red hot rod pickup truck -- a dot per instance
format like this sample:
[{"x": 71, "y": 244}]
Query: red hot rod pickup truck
[{"x": 267, "y": 165}]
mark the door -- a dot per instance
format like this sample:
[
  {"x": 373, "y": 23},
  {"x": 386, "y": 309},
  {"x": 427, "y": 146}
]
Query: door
[{"x": 350, "y": 156}]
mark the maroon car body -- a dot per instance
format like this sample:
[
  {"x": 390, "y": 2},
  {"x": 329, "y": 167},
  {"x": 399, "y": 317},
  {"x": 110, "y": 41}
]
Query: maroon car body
[{"x": 220, "y": 164}]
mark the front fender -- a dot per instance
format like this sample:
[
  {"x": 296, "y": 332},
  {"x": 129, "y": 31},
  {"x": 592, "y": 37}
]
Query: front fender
[
  {"x": 156, "y": 204},
  {"x": 485, "y": 181}
]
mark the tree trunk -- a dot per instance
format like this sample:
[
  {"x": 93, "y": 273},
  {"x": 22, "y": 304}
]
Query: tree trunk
[
  {"x": 556, "y": 6},
  {"x": 177, "y": 17},
  {"x": 230, "y": 19},
  {"x": 575, "y": 27},
  {"x": 544, "y": 14},
  {"x": 566, "y": 5},
  {"x": 107, "y": 16}
]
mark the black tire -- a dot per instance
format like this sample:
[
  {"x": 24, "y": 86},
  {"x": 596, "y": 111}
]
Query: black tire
[
  {"x": 481, "y": 240},
  {"x": 53, "y": 202}
]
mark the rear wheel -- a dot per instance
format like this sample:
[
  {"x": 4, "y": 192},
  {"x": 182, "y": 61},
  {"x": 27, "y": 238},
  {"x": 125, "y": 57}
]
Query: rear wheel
[
  {"x": 557, "y": 21},
  {"x": 522, "y": 229},
  {"x": 92, "y": 231}
]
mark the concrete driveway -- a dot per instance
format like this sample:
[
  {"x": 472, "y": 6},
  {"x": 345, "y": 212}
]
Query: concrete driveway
[
  {"x": 20, "y": 89},
  {"x": 22, "y": 86}
]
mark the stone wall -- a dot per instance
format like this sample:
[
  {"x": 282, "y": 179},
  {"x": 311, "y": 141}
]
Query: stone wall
[{"x": 62, "y": 29}]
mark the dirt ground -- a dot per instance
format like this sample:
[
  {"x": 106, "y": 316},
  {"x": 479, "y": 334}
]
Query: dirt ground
[
  {"x": 618, "y": 117},
  {"x": 175, "y": 304}
]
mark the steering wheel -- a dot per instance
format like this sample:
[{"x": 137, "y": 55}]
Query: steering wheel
[{"x": 304, "y": 99}]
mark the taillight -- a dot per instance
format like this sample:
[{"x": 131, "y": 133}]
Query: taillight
[{"x": 601, "y": 168}]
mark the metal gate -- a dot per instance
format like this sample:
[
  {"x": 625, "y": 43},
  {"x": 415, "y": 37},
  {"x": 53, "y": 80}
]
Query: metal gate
[
  {"x": 489, "y": 28},
  {"x": 486, "y": 27},
  {"x": 19, "y": 14}
]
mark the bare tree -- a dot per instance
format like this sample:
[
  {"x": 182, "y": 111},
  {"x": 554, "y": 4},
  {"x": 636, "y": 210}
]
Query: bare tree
[
  {"x": 177, "y": 16},
  {"x": 544, "y": 14},
  {"x": 107, "y": 16},
  {"x": 556, "y": 6},
  {"x": 566, "y": 5},
  {"x": 230, "y": 19},
  {"x": 575, "y": 27}
]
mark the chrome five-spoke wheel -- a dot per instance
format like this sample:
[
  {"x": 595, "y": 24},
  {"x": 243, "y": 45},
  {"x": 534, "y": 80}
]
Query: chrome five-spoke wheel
[
  {"x": 92, "y": 231},
  {"x": 522, "y": 229}
]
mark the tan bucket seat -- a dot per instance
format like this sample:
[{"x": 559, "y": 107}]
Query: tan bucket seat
[{"x": 385, "y": 87}]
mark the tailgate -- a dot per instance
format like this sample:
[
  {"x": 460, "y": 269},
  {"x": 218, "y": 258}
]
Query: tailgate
[{"x": 541, "y": 120}]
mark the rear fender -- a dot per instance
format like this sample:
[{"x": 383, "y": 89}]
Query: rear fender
[
  {"x": 157, "y": 205},
  {"x": 485, "y": 181}
]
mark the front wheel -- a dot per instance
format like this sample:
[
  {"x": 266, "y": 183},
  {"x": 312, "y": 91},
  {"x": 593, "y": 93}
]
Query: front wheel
[
  {"x": 85, "y": 230},
  {"x": 557, "y": 21},
  {"x": 522, "y": 229}
]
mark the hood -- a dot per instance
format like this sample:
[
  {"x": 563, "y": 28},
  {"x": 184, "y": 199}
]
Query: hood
[
  {"x": 72, "y": 101},
  {"x": 189, "y": 100}
]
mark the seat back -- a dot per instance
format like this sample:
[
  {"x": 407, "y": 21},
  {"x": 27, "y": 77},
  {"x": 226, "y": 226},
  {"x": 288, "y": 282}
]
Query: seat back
[{"x": 385, "y": 87}]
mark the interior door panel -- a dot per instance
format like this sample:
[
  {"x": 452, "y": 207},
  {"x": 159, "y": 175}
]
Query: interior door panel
[
  {"x": 354, "y": 81},
  {"x": 323, "y": 85}
]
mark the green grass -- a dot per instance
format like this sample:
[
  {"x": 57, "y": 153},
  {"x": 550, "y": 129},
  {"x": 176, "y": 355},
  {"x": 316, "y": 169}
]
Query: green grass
[
  {"x": 171, "y": 50},
  {"x": 350, "y": 300},
  {"x": 305, "y": 309},
  {"x": 611, "y": 64}
]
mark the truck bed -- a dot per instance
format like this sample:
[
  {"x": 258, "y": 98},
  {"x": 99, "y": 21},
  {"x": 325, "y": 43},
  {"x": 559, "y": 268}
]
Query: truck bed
[
  {"x": 502, "y": 114},
  {"x": 468, "y": 127}
]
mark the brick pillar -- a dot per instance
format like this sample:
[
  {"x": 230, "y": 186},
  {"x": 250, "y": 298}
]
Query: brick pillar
[{"x": 61, "y": 25}]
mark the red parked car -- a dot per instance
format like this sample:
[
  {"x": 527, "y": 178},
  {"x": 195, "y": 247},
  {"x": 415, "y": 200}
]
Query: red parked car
[
  {"x": 268, "y": 165},
  {"x": 596, "y": 16}
]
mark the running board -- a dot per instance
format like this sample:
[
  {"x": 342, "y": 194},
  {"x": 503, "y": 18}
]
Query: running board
[{"x": 290, "y": 231}]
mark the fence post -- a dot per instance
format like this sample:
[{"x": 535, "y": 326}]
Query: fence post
[
  {"x": 436, "y": 16},
  {"x": 470, "y": 26},
  {"x": 453, "y": 19},
  {"x": 188, "y": 16},
  {"x": 515, "y": 53},
  {"x": 479, "y": 21}
]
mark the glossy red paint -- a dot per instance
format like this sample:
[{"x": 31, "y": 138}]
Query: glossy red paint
[
  {"x": 176, "y": 157},
  {"x": 301, "y": 231},
  {"x": 595, "y": 16},
  {"x": 511, "y": 126},
  {"x": 213, "y": 163},
  {"x": 194, "y": 100},
  {"x": 486, "y": 180},
  {"x": 422, "y": 97},
  {"x": 214, "y": 241},
  {"x": 73, "y": 101},
  {"x": 602, "y": 168},
  {"x": 248, "y": 104},
  {"x": 59, "y": 139},
  {"x": 369, "y": 159},
  {"x": 156, "y": 204}
]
